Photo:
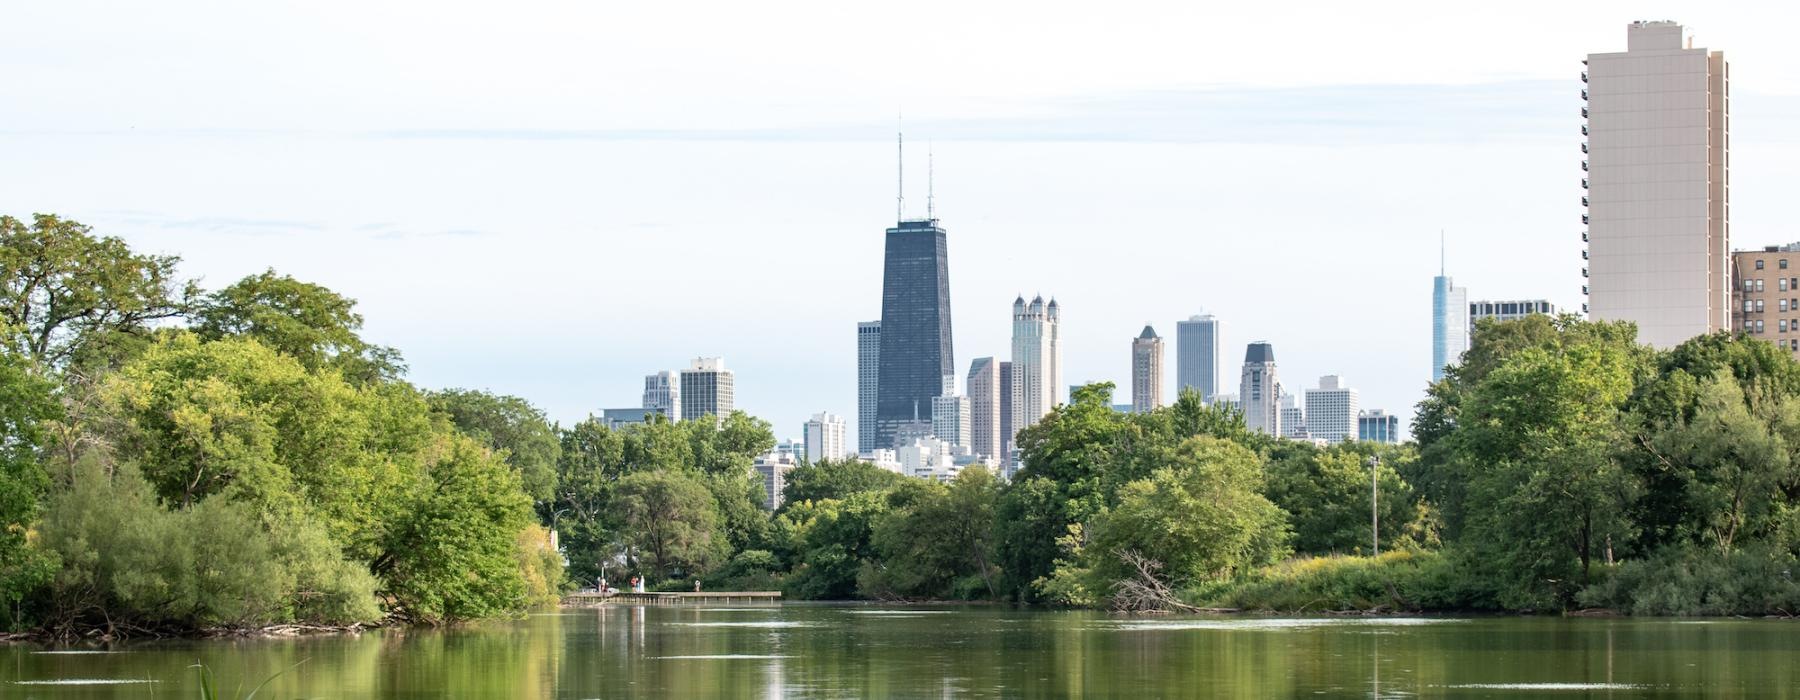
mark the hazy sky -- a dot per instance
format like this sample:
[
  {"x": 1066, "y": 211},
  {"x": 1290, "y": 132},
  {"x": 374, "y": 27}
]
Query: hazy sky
[{"x": 554, "y": 199}]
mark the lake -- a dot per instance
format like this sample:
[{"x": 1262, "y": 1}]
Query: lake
[{"x": 840, "y": 651}]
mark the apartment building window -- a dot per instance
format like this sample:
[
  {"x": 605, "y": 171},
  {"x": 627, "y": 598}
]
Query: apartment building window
[
  {"x": 1748, "y": 326},
  {"x": 1759, "y": 264},
  {"x": 1759, "y": 306},
  {"x": 1746, "y": 306},
  {"x": 1782, "y": 263},
  {"x": 1781, "y": 285},
  {"x": 1759, "y": 326},
  {"x": 1781, "y": 305},
  {"x": 1781, "y": 326},
  {"x": 1759, "y": 285},
  {"x": 1749, "y": 285}
]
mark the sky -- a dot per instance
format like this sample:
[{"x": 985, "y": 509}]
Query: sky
[{"x": 553, "y": 199}]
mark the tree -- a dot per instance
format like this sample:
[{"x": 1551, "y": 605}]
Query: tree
[
  {"x": 454, "y": 551},
  {"x": 941, "y": 545},
  {"x": 834, "y": 542},
  {"x": 590, "y": 462},
  {"x": 510, "y": 426},
  {"x": 836, "y": 479},
  {"x": 1325, "y": 493},
  {"x": 25, "y": 404},
  {"x": 305, "y": 321},
  {"x": 62, "y": 289},
  {"x": 672, "y": 520},
  {"x": 1202, "y": 518},
  {"x": 1537, "y": 441}
]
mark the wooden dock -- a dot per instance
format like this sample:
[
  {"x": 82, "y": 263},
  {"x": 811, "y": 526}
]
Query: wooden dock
[{"x": 671, "y": 597}]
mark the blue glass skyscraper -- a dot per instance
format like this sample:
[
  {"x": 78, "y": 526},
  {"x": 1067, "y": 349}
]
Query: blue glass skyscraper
[{"x": 916, "y": 362}]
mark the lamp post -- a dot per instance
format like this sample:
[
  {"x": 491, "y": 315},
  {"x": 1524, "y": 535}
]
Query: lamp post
[{"x": 1375, "y": 503}]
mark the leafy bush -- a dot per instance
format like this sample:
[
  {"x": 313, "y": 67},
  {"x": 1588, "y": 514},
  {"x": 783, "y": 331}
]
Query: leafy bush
[
  {"x": 1683, "y": 581},
  {"x": 1403, "y": 580}
]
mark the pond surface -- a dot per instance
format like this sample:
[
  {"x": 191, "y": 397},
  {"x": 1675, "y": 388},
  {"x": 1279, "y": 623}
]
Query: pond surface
[{"x": 825, "y": 651}]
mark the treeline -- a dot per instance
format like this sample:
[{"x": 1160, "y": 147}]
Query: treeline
[{"x": 175, "y": 460}]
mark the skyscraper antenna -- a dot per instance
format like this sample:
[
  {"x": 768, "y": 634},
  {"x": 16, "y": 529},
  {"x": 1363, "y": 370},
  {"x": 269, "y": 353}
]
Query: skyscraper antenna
[
  {"x": 1441, "y": 267},
  {"x": 900, "y": 198},
  {"x": 930, "y": 186}
]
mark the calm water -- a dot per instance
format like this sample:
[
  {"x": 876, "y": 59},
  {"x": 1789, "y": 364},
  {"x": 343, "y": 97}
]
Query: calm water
[{"x": 844, "y": 651}]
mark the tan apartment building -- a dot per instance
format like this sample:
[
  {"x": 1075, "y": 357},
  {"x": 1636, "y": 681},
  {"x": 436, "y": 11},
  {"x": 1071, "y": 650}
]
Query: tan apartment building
[
  {"x": 1656, "y": 185},
  {"x": 1766, "y": 296}
]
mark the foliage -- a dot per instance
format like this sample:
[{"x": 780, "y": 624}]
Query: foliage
[
  {"x": 25, "y": 405},
  {"x": 304, "y": 321},
  {"x": 452, "y": 551},
  {"x": 1326, "y": 492},
  {"x": 542, "y": 567},
  {"x": 940, "y": 544},
  {"x": 1203, "y": 517},
  {"x": 61, "y": 288},
  {"x": 1398, "y": 581},
  {"x": 672, "y": 520},
  {"x": 832, "y": 542},
  {"x": 511, "y": 426},
  {"x": 1687, "y": 581},
  {"x": 129, "y": 563},
  {"x": 836, "y": 479}
]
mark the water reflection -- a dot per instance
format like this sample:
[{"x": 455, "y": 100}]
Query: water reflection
[{"x": 837, "y": 651}]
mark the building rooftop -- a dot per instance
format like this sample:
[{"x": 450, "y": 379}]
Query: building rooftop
[
  {"x": 1148, "y": 334},
  {"x": 1259, "y": 352}
]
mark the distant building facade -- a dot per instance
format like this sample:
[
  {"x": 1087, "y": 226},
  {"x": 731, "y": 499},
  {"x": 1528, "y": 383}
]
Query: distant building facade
[
  {"x": 707, "y": 389},
  {"x": 662, "y": 391},
  {"x": 950, "y": 419},
  {"x": 984, "y": 406},
  {"x": 1006, "y": 414},
  {"x": 1449, "y": 324},
  {"x": 1259, "y": 392},
  {"x": 1293, "y": 416},
  {"x": 1146, "y": 371},
  {"x": 1331, "y": 410},
  {"x": 825, "y": 438},
  {"x": 1036, "y": 360},
  {"x": 1508, "y": 310},
  {"x": 1376, "y": 425},
  {"x": 916, "y": 363},
  {"x": 774, "y": 468},
  {"x": 616, "y": 418},
  {"x": 1767, "y": 297},
  {"x": 868, "y": 373},
  {"x": 1656, "y": 185},
  {"x": 1197, "y": 355}
]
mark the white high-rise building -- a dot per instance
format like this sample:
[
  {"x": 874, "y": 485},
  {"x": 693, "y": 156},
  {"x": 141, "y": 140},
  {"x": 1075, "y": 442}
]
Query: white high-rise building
[
  {"x": 1508, "y": 310},
  {"x": 950, "y": 419},
  {"x": 1146, "y": 371},
  {"x": 1259, "y": 394},
  {"x": 1293, "y": 416},
  {"x": 1197, "y": 355},
  {"x": 1449, "y": 321},
  {"x": 1657, "y": 185},
  {"x": 825, "y": 438},
  {"x": 662, "y": 391},
  {"x": 984, "y": 407},
  {"x": 1331, "y": 410},
  {"x": 1036, "y": 361},
  {"x": 774, "y": 467},
  {"x": 868, "y": 374},
  {"x": 707, "y": 389}
]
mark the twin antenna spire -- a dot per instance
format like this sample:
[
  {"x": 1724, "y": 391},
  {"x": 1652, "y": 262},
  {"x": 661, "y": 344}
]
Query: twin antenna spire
[{"x": 930, "y": 184}]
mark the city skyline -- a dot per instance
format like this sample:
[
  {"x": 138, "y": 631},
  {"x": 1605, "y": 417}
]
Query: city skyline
[{"x": 497, "y": 201}]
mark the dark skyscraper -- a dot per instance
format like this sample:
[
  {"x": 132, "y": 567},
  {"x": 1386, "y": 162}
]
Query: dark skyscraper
[
  {"x": 1006, "y": 413},
  {"x": 916, "y": 364}
]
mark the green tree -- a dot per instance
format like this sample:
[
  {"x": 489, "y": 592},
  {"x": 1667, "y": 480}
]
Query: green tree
[
  {"x": 510, "y": 426},
  {"x": 671, "y": 518},
  {"x": 1203, "y": 517},
  {"x": 834, "y": 542},
  {"x": 1325, "y": 493},
  {"x": 25, "y": 405},
  {"x": 308, "y": 322},
  {"x": 453, "y": 551},
  {"x": 941, "y": 545},
  {"x": 836, "y": 479},
  {"x": 591, "y": 461},
  {"x": 63, "y": 290}
]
